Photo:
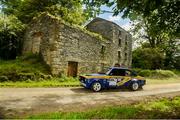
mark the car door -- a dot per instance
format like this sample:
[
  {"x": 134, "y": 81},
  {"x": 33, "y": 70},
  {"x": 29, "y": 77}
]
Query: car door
[
  {"x": 125, "y": 77},
  {"x": 116, "y": 77}
]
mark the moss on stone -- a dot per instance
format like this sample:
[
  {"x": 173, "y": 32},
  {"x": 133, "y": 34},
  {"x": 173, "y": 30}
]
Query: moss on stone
[{"x": 58, "y": 19}]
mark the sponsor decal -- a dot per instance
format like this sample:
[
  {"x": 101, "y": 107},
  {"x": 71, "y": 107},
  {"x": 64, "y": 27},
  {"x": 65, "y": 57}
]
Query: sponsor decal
[
  {"x": 123, "y": 80},
  {"x": 135, "y": 79},
  {"x": 114, "y": 81}
]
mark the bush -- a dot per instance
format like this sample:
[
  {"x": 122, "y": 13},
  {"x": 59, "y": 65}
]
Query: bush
[
  {"x": 162, "y": 74},
  {"x": 23, "y": 76},
  {"x": 146, "y": 73},
  {"x": 177, "y": 72},
  {"x": 147, "y": 58},
  {"x": 3, "y": 78},
  {"x": 176, "y": 62},
  {"x": 28, "y": 67},
  {"x": 155, "y": 73}
]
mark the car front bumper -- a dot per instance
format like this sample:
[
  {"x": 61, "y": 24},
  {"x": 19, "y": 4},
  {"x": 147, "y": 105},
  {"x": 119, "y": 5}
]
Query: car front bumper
[
  {"x": 83, "y": 84},
  {"x": 142, "y": 82}
]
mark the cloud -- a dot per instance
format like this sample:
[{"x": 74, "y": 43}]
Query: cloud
[
  {"x": 127, "y": 26},
  {"x": 124, "y": 23},
  {"x": 114, "y": 18}
]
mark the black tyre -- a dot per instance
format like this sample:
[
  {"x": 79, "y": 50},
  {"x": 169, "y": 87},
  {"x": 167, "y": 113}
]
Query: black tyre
[
  {"x": 96, "y": 87},
  {"x": 134, "y": 86}
]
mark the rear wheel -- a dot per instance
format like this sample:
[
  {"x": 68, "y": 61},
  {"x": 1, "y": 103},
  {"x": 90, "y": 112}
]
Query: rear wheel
[
  {"x": 96, "y": 86},
  {"x": 134, "y": 86}
]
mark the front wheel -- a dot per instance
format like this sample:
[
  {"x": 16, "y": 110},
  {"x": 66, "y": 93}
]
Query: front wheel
[
  {"x": 134, "y": 86},
  {"x": 96, "y": 86}
]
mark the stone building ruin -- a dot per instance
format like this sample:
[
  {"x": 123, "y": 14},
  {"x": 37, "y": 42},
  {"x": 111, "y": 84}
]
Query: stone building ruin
[{"x": 70, "y": 50}]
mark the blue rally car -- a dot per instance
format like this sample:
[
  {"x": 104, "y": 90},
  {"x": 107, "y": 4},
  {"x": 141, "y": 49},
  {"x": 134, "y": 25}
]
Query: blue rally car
[{"x": 114, "y": 77}]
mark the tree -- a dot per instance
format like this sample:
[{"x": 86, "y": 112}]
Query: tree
[
  {"x": 10, "y": 37},
  {"x": 176, "y": 62},
  {"x": 160, "y": 20},
  {"x": 92, "y": 7},
  {"x": 158, "y": 38},
  {"x": 164, "y": 13},
  {"x": 71, "y": 10},
  {"x": 20, "y": 12},
  {"x": 171, "y": 48}
]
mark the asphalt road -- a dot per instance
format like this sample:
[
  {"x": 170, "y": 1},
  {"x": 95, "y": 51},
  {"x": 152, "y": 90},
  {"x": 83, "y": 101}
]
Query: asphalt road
[{"x": 26, "y": 101}]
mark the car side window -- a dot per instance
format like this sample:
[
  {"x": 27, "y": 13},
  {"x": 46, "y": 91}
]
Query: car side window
[
  {"x": 128, "y": 73},
  {"x": 117, "y": 72}
]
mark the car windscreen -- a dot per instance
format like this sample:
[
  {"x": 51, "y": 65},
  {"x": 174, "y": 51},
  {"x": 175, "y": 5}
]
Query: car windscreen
[{"x": 116, "y": 72}]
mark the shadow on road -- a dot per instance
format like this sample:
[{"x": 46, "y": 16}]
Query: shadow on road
[
  {"x": 2, "y": 113},
  {"x": 84, "y": 90}
]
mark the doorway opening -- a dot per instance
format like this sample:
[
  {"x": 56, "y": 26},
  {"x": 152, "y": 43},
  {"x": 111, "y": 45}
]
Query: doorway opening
[{"x": 72, "y": 69}]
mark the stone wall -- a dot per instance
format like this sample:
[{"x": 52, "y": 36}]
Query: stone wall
[
  {"x": 113, "y": 32},
  {"x": 79, "y": 47},
  {"x": 59, "y": 43}
]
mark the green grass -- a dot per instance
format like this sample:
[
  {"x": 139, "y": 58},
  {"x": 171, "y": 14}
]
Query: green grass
[
  {"x": 54, "y": 82},
  {"x": 158, "y": 74},
  {"x": 165, "y": 108},
  {"x": 163, "y": 81},
  {"x": 70, "y": 82},
  {"x": 27, "y": 63},
  {"x": 177, "y": 72},
  {"x": 23, "y": 68},
  {"x": 30, "y": 71},
  {"x": 104, "y": 113}
]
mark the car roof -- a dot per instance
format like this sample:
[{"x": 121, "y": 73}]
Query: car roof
[{"x": 124, "y": 68}]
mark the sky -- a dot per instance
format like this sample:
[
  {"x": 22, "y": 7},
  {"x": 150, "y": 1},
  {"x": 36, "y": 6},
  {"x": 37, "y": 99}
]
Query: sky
[{"x": 124, "y": 23}]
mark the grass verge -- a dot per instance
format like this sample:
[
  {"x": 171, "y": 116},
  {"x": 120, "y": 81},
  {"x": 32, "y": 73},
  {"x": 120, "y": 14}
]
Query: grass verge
[
  {"x": 70, "y": 82},
  {"x": 157, "y": 74},
  {"x": 54, "y": 82},
  {"x": 30, "y": 71},
  {"x": 163, "y": 81},
  {"x": 165, "y": 108},
  {"x": 28, "y": 67}
]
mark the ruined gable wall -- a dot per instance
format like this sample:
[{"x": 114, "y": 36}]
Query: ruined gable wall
[
  {"x": 59, "y": 43},
  {"x": 78, "y": 46},
  {"x": 113, "y": 32},
  {"x": 39, "y": 38}
]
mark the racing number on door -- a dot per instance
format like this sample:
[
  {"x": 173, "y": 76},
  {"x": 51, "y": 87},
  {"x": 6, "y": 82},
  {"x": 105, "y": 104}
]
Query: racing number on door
[
  {"x": 114, "y": 81},
  {"x": 123, "y": 80}
]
